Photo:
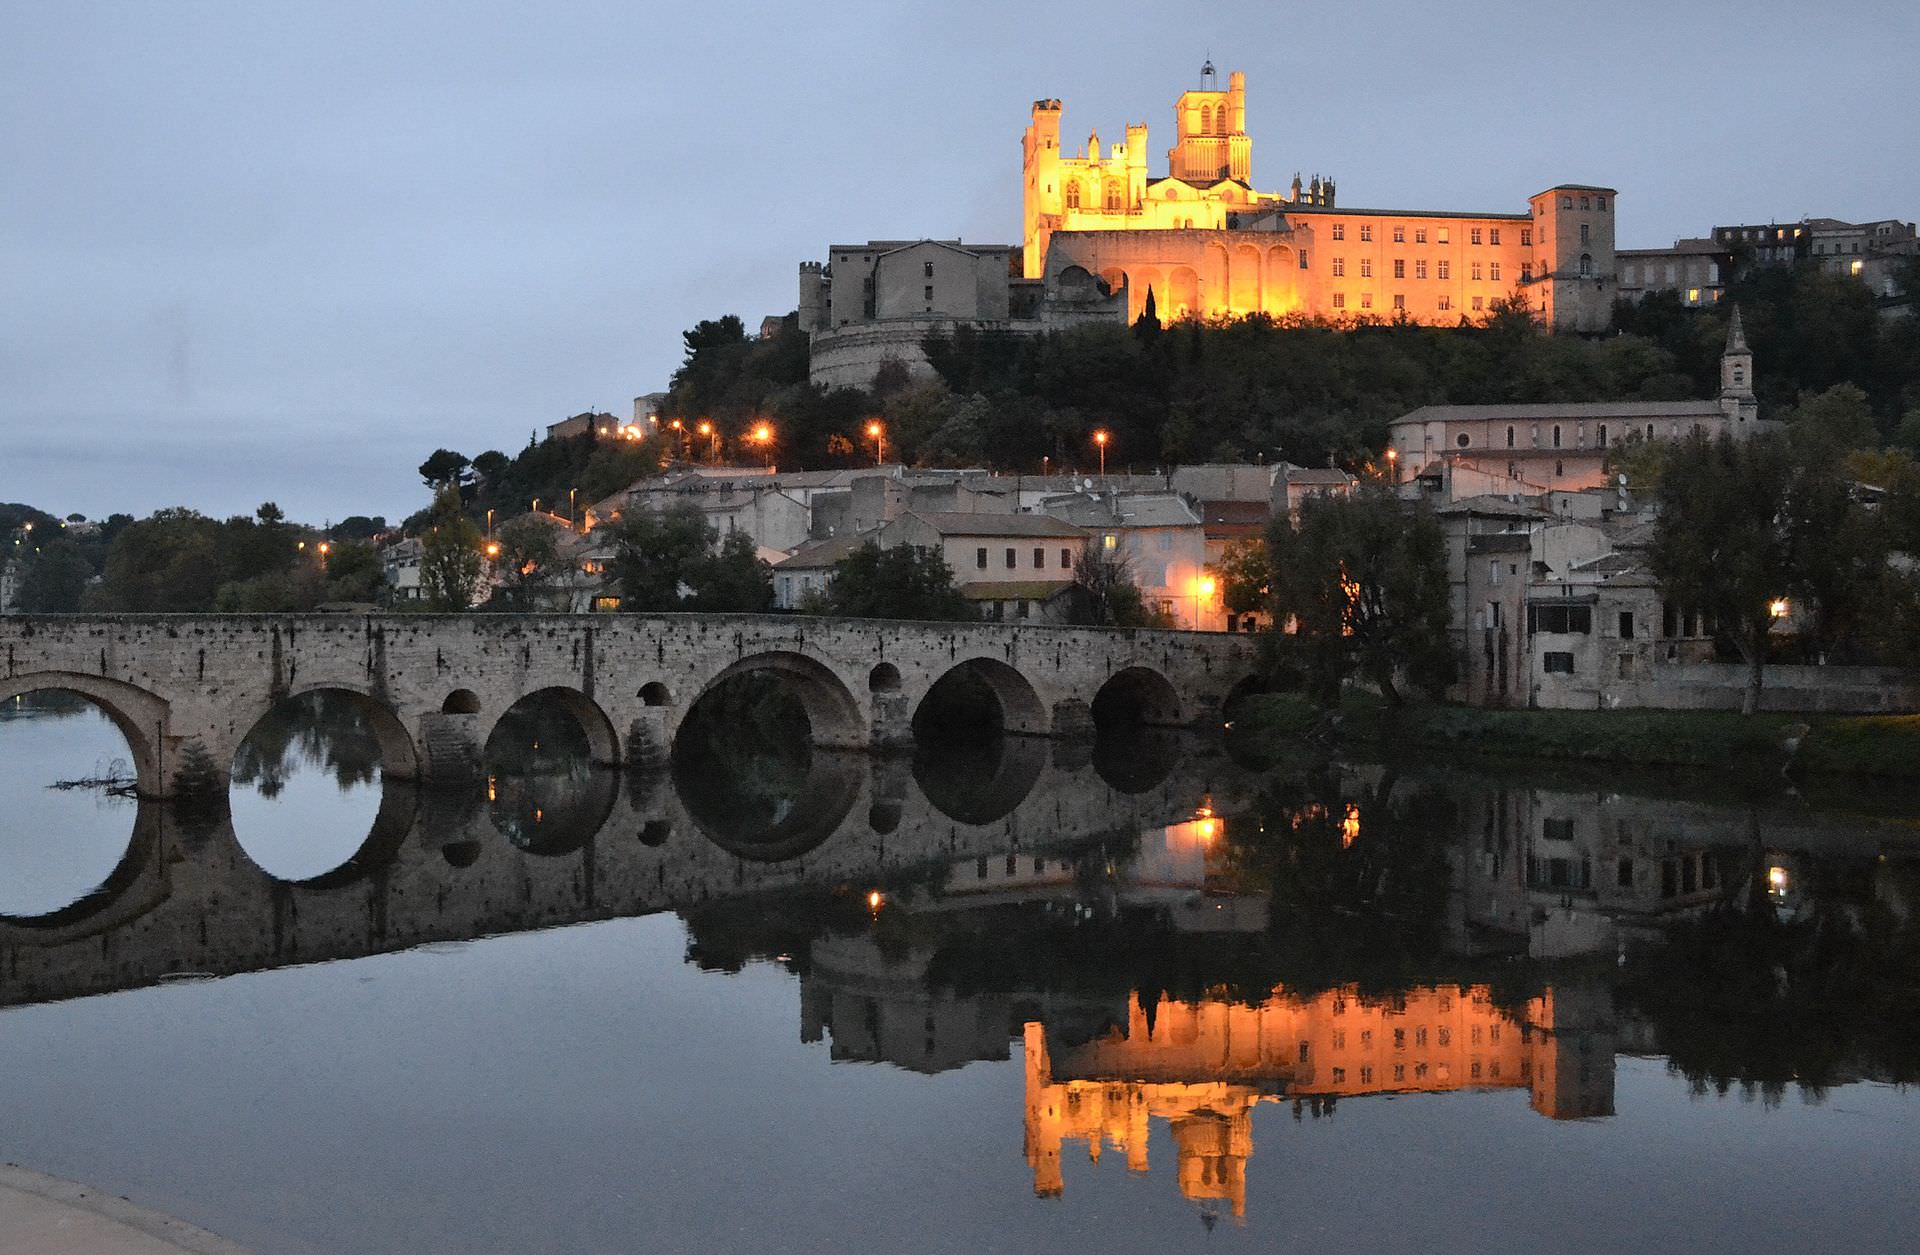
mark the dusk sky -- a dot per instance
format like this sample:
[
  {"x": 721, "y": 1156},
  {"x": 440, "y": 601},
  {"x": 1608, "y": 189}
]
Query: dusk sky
[{"x": 278, "y": 250}]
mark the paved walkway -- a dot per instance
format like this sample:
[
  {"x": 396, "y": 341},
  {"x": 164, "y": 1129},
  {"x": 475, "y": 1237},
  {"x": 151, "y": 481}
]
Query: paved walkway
[{"x": 41, "y": 1215}]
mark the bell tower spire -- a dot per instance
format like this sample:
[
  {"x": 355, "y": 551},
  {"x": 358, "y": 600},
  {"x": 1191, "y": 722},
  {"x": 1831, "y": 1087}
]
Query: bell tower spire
[{"x": 1736, "y": 377}]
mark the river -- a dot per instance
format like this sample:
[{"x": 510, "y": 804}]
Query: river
[{"x": 1000, "y": 995}]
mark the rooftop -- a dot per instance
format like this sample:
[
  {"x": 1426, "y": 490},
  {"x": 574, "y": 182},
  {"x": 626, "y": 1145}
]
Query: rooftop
[
  {"x": 949, "y": 523},
  {"x": 1560, "y": 409}
]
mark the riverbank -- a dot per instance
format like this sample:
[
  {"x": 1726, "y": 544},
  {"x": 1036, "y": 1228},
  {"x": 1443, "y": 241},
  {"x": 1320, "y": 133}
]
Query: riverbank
[{"x": 1863, "y": 745}]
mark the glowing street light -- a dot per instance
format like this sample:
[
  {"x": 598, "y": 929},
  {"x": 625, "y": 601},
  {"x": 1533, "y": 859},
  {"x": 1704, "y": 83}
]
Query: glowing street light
[
  {"x": 877, "y": 432},
  {"x": 762, "y": 435},
  {"x": 1779, "y": 607},
  {"x": 1100, "y": 439},
  {"x": 493, "y": 549},
  {"x": 1393, "y": 465},
  {"x": 1202, "y": 592}
]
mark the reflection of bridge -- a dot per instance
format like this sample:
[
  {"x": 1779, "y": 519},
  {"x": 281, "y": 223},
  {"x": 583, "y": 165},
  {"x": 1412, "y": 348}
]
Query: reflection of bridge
[
  {"x": 433, "y": 684},
  {"x": 436, "y": 867}
]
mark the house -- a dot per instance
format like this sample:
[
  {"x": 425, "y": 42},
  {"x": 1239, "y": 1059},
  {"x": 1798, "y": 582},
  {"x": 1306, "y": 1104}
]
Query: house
[
  {"x": 1163, "y": 543},
  {"x": 1011, "y": 565},
  {"x": 807, "y": 570}
]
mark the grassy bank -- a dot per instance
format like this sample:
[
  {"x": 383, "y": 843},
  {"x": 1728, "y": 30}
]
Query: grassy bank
[{"x": 1866, "y": 745}]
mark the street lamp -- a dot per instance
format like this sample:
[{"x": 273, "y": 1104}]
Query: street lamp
[
  {"x": 571, "y": 494},
  {"x": 1202, "y": 593},
  {"x": 762, "y": 435},
  {"x": 878, "y": 432},
  {"x": 1393, "y": 465},
  {"x": 1100, "y": 439}
]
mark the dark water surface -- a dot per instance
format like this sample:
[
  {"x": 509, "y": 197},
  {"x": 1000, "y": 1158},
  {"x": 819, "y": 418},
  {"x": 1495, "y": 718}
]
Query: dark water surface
[{"x": 996, "y": 996}]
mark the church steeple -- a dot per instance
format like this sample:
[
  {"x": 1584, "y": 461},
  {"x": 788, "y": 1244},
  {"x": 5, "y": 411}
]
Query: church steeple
[{"x": 1736, "y": 376}]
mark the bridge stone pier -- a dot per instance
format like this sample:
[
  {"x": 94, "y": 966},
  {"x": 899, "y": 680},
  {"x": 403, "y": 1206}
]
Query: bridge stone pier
[{"x": 433, "y": 685}]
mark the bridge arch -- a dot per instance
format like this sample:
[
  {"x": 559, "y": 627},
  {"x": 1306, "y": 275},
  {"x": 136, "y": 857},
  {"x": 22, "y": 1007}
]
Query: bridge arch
[
  {"x": 603, "y": 741},
  {"x": 1136, "y": 696},
  {"x": 141, "y": 717},
  {"x": 399, "y": 757},
  {"x": 1022, "y": 713},
  {"x": 833, "y": 714}
]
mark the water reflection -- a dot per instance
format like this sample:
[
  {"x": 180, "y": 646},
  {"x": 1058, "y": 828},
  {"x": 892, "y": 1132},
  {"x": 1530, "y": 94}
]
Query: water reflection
[
  {"x": 1192, "y": 964},
  {"x": 306, "y": 794},
  {"x": 70, "y": 818},
  {"x": 543, "y": 791}
]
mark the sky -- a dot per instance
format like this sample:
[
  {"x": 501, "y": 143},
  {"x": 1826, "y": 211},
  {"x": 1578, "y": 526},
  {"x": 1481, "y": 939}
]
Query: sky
[{"x": 283, "y": 251}]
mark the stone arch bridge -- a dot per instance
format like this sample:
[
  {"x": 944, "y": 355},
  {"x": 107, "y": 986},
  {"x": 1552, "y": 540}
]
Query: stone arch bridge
[{"x": 434, "y": 684}]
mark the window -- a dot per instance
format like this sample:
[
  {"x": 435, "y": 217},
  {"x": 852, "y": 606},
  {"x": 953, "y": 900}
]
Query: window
[
  {"x": 1463, "y": 440},
  {"x": 1556, "y": 435},
  {"x": 929, "y": 291},
  {"x": 1445, "y": 268},
  {"x": 1303, "y": 255},
  {"x": 1601, "y": 436},
  {"x": 1366, "y": 300},
  {"x": 1600, "y": 203},
  {"x": 1509, "y": 435},
  {"x": 1526, "y": 237},
  {"x": 1012, "y": 560},
  {"x": 1339, "y": 1076},
  {"x": 1559, "y": 469},
  {"x": 1109, "y": 542},
  {"x": 1474, "y": 272},
  {"x": 1303, "y": 1052},
  {"x": 1493, "y": 271},
  {"x": 1399, "y": 267},
  {"x": 1419, "y": 235},
  {"x": 1493, "y": 235},
  {"x": 1473, "y": 236},
  {"x": 1339, "y": 267},
  {"x": 980, "y": 559},
  {"x": 1526, "y": 272},
  {"x": 1556, "y": 829},
  {"x": 1399, "y": 301},
  {"x": 1073, "y": 194},
  {"x": 1584, "y": 204},
  {"x": 1623, "y": 875},
  {"x": 1420, "y": 269},
  {"x": 1441, "y": 234},
  {"x": 1339, "y": 230},
  {"x": 1566, "y": 202},
  {"x": 1366, "y": 234},
  {"x": 1479, "y": 302},
  {"x": 1339, "y": 300},
  {"x": 1585, "y": 233},
  {"x": 1445, "y": 303},
  {"x": 1586, "y": 266},
  {"x": 1206, "y": 119},
  {"x": 1554, "y": 620},
  {"x": 1366, "y": 267},
  {"x": 1113, "y": 194},
  {"x": 1557, "y": 663},
  {"x": 1399, "y": 235},
  {"x": 1626, "y": 625},
  {"x": 1039, "y": 559},
  {"x": 1066, "y": 559}
]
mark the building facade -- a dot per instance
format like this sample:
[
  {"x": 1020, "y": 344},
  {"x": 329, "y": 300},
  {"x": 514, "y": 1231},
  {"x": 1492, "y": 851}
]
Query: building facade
[{"x": 1207, "y": 244}]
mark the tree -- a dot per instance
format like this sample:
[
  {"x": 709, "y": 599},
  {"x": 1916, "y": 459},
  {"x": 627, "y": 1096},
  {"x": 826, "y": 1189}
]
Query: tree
[
  {"x": 450, "y": 555},
  {"x": 1724, "y": 542},
  {"x": 1106, "y": 594},
  {"x": 903, "y": 582},
  {"x": 1245, "y": 577},
  {"x": 527, "y": 562},
  {"x": 56, "y": 580},
  {"x": 733, "y": 580},
  {"x": 171, "y": 562},
  {"x": 444, "y": 469},
  {"x": 358, "y": 527},
  {"x": 354, "y": 572},
  {"x": 656, "y": 554},
  {"x": 1365, "y": 581}
]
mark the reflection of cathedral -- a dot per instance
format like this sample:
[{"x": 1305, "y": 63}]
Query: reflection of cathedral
[{"x": 1203, "y": 1066}]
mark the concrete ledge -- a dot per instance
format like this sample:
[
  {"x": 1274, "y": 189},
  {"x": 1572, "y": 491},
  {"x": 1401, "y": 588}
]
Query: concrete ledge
[{"x": 43, "y": 1215}]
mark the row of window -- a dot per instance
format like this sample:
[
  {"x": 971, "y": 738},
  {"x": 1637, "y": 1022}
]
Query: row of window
[
  {"x": 1442, "y": 302},
  {"x": 1420, "y": 1072},
  {"x": 1013, "y": 558},
  {"x": 1479, "y": 272},
  {"x": 1442, "y": 235}
]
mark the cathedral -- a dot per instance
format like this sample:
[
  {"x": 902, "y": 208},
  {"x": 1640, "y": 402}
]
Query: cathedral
[
  {"x": 1207, "y": 244},
  {"x": 1101, "y": 235}
]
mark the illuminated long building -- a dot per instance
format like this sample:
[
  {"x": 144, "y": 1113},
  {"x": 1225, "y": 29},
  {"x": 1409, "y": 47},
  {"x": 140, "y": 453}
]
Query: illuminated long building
[{"x": 1207, "y": 244}]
